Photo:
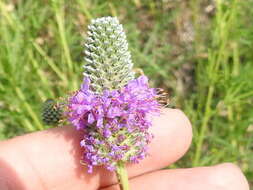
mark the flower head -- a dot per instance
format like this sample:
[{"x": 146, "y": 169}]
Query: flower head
[{"x": 115, "y": 122}]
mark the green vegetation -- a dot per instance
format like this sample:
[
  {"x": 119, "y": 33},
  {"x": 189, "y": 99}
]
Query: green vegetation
[{"x": 199, "y": 51}]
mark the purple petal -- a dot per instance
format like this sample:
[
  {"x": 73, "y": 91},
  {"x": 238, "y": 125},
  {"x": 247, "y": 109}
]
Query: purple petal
[
  {"x": 100, "y": 122},
  {"x": 90, "y": 169},
  {"x": 106, "y": 93},
  {"x": 107, "y": 133},
  {"x": 82, "y": 143},
  {"x": 91, "y": 118},
  {"x": 80, "y": 96},
  {"x": 85, "y": 85},
  {"x": 113, "y": 112},
  {"x": 142, "y": 80},
  {"x": 82, "y": 109}
]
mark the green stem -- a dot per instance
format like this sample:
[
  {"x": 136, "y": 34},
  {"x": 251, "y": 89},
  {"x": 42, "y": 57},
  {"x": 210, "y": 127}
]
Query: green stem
[
  {"x": 203, "y": 127},
  {"x": 29, "y": 109},
  {"x": 122, "y": 176}
]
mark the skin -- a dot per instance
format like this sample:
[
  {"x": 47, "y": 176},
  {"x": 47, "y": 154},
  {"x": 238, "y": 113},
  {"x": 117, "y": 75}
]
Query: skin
[{"x": 50, "y": 160}]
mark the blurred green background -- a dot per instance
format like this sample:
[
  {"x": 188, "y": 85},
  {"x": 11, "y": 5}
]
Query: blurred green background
[{"x": 199, "y": 51}]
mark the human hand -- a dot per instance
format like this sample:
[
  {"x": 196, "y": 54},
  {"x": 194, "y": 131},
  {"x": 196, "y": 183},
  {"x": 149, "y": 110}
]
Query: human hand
[{"x": 50, "y": 160}]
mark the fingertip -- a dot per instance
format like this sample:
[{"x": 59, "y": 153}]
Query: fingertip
[
  {"x": 185, "y": 127},
  {"x": 221, "y": 177},
  {"x": 229, "y": 175},
  {"x": 173, "y": 134}
]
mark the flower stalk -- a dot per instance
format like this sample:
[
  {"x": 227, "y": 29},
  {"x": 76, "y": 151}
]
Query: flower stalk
[{"x": 122, "y": 176}]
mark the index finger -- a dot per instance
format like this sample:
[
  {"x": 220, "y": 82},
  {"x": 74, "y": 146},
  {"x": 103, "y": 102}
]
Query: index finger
[{"x": 51, "y": 159}]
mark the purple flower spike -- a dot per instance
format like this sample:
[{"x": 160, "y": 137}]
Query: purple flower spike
[{"x": 116, "y": 123}]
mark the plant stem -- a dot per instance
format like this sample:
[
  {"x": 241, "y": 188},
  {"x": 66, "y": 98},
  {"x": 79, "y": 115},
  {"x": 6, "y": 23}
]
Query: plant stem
[
  {"x": 122, "y": 176},
  {"x": 203, "y": 127}
]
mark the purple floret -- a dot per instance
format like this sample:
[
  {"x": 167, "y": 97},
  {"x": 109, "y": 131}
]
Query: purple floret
[{"x": 115, "y": 122}]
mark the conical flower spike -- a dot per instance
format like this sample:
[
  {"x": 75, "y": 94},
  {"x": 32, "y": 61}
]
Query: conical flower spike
[{"x": 108, "y": 61}]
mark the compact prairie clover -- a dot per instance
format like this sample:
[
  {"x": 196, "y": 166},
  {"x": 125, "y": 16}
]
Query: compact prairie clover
[{"x": 112, "y": 108}]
